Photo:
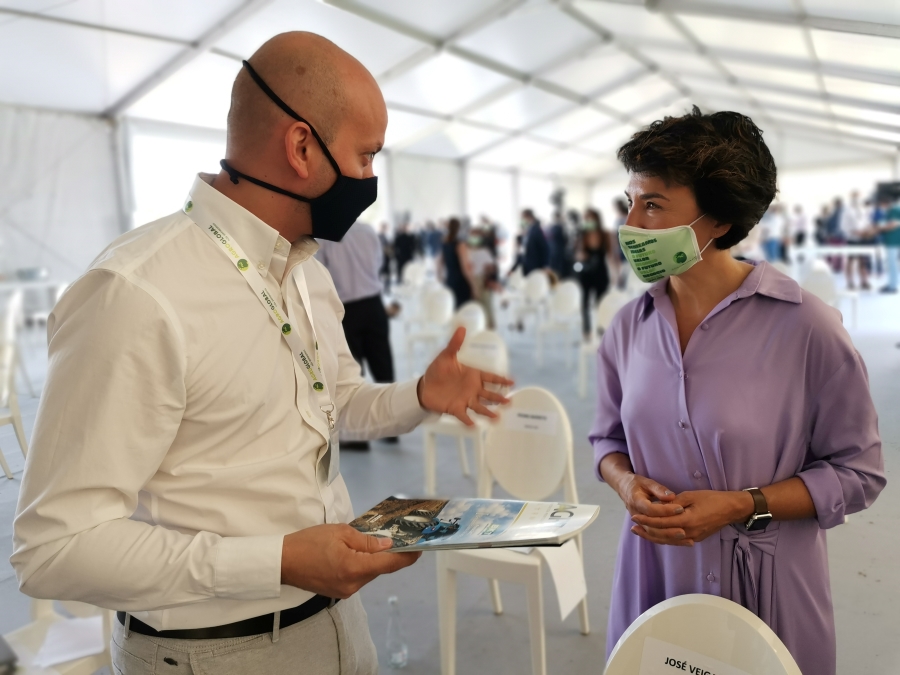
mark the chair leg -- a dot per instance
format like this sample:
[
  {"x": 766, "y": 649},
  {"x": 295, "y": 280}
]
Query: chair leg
[
  {"x": 495, "y": 596},
  {"x": 535, "y": 594},
  {"x": 582, "y": 373},
  {"x": 446, "y": 614},
  {"x": 16, "y": 415},
  {"x": 429, "y": 457},
  {"x": 5, "y": 466},
  {"x": 478, "y": 458},
  {"x": 463, "y": 458},
  {"x": 585, "y": 619},
  {"x": 26, "y": 379}
]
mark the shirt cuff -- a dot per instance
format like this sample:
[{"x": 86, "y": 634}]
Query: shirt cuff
[
  {"x": 826, "y": 491},
  {"x": 604, "y": 447},
  {"x": 405, "y": 404},
  {"x": 249, "y": 568}
]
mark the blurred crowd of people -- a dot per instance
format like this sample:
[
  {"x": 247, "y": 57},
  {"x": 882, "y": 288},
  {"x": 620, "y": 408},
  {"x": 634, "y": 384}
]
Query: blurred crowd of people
[
  {"x": 578, "y": 245},
  {"x": 852, "y": 222}
]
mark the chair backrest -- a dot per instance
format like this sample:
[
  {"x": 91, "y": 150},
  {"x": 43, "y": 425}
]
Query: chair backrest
[
  {"x": 819, "y": 265},
  {"x": 528, "y": 451},
  {"x": 782, "y": 267},
  {"x": 471, "y": 317},
  {"x": 516, "y": 280},
  {"x": 7, "y": 372},
  {"x": 633, "y": 285},
  {"x": 437, "y": 309},
  {"x": 566, "y": 299},
  {"x": 610, "y": 304},
  {"x": 706, "y": 631},
  {"x": 413, "y": 273},
  {"x": 537, "y": 286},
  {"x": 12, "y": 316},
  {"x": 821, "y": 284},
  {"x": 486, "y": 351}
]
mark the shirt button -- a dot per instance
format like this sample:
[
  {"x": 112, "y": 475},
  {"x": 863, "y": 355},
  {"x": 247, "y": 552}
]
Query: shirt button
[
  {"x": 681, "y": 424},
  {"x": 710, "y": 577},
  {"x": 705, "y": 326},
  {"x": 697, "y": 474},
  {"x": 261, "y": 266},
  {"x": 277, "y": 245},
  {"x": 681, "y": 375}
]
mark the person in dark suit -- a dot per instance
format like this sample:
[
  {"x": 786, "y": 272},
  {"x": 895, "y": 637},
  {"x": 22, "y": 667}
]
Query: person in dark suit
[{"x": 537, "y": 252}]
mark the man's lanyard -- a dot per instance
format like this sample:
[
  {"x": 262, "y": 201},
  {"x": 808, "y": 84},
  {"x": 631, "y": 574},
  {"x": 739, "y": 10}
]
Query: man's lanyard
[{"x": 311, "y": 364}]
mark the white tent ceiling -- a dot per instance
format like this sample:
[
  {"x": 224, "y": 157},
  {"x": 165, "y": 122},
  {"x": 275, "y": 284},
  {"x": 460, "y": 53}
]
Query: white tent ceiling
[{"x": 541, "y": 85}]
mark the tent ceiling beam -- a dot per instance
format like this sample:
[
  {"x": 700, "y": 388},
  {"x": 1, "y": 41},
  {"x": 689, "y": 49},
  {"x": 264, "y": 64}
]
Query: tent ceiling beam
[
  {"x": 87, "y": 25},
  {"x": 800, "y": 18},
  {"x": 483, "y": 19},
  {"x": 485, "y": 62},
  {"x": 201, "y": 46},
  {"x": 586, "y": 101}
]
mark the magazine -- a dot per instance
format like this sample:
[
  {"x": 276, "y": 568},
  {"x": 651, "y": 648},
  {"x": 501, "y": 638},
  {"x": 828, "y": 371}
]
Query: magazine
[{"x": 434, "y": 524}]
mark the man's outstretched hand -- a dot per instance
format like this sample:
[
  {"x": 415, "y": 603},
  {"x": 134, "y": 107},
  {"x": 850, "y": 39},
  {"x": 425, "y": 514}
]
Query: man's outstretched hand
[
  {"x": 337, "y": 560},
  {"x": 450, "y": 387}
]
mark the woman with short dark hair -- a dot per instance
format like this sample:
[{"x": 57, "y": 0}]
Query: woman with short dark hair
[
  {"x": 454, "y": 263},
  {"x": 734, "y": 417}
]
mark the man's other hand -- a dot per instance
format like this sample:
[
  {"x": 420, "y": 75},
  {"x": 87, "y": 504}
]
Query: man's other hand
[
  {"x": 450, "y": 387},
  {"x": 337, "y": 560}
]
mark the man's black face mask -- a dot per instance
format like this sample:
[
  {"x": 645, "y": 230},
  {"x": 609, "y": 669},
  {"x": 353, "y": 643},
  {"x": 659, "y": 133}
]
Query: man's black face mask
[{"x": 338, "y": 208}]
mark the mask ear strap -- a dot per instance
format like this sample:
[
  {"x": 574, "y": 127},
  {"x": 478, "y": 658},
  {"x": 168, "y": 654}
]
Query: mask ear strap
[
  {"x": 267, "y": 90},
  {"x": 706, "y": 247}
]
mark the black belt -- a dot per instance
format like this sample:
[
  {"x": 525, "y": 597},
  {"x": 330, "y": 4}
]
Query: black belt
[{"x": 255, "y": 626}]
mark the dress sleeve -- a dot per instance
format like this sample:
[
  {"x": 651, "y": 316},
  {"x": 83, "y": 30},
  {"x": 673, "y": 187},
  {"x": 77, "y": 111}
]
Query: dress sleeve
[
  {"x": 607, "y": 434},
  {"x": 844, "y": 470}
]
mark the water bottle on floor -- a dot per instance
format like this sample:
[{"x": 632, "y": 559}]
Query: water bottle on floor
[{"x": 398, "y": 654}]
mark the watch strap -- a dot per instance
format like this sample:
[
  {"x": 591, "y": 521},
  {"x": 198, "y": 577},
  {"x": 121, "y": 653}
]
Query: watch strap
[{"x": 760, "y": 505}]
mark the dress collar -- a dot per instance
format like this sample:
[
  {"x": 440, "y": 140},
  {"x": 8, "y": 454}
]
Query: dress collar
[
  {"x": 763, "y": 280},
  {"x": 262, "y": 243}
]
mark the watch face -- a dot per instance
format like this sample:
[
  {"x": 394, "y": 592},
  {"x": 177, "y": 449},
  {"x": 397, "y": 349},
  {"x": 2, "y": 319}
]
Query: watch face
[{"x": 758, "y": 521}]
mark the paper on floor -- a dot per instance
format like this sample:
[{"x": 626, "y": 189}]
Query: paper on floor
[{"x": 71, "y": 639}]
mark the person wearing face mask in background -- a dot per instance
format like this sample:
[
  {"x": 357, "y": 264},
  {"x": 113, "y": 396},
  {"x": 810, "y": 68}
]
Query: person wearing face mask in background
[
  {"x": 595, "y": 256},
  {"x": 184, "y": 467},
  {"x": 734, "y": 418},
  {"x": 536, "y": 254}
]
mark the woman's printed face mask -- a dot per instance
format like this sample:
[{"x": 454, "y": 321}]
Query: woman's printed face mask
[{"x": 654, "y": 254}]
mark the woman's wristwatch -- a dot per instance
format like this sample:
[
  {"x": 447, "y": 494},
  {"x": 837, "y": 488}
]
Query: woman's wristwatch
[{"x": 761, "y": 516}]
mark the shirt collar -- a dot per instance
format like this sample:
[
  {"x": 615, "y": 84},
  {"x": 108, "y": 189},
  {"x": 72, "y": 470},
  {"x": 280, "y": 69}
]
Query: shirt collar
[
  {"x": 763, "y": 280},
  {"x": 262, "y": 243}
]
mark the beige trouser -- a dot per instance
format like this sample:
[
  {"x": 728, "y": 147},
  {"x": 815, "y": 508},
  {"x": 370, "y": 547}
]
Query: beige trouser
[{"x": 335, "y": 641}]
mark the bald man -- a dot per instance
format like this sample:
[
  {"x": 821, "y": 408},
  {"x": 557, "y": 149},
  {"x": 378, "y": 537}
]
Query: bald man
[{"x": 184, "y": 467}]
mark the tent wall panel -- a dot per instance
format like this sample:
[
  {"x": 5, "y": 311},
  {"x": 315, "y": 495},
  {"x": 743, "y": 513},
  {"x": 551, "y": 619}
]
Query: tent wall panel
[{"x": 59, "y": 199}]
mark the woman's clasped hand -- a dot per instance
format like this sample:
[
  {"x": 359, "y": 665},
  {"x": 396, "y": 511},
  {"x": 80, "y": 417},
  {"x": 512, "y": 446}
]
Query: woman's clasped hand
[{"x": 663, "y": 517}]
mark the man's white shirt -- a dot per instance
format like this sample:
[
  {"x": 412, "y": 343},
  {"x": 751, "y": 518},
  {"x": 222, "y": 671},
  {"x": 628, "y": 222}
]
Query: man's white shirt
[{"x": 175, "y": 443}]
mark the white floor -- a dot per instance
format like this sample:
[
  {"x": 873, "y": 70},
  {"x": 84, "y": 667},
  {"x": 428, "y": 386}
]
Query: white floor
[{"x": 863, "y": 553}]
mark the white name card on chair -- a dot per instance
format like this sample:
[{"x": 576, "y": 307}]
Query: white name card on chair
[
  {"x": 662, "y": 658},
  {"x": 542, "y": 422}
]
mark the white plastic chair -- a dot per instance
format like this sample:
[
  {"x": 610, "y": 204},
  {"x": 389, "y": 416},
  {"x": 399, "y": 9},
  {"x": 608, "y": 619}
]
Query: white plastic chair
[
  {"x": 437, "y": 311},
  {"x": 534, "y": 297},
  {"x": 471, "y": 317},
  {"x": 531, "y": 466},
  {"x": 821, "y": 284},
  {"x": 708, "y": 625},
  {"x": 13, "y": 320},
  {"x": 633, "y": 285},
  {"x": 611, "y": 302},
  {"x": 782, "y": 267},
  {"x": 26, "y": 641},
  {"x": 564, "y": 318},
  {"x": 486, "y": 351},
  {"x": 9, "y": 402}
]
